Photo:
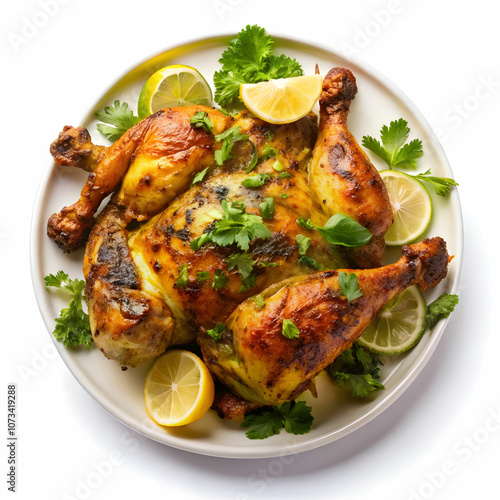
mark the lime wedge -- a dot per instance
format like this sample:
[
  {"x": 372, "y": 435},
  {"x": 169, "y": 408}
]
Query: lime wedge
[
  {"x": 399, "y": 326},
  {"x": 411, "y": 205},
  {"x": 176, "y": 85}
]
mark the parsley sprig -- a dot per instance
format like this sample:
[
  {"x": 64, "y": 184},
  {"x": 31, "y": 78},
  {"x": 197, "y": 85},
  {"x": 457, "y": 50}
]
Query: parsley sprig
[
  {"x": 72, "y": 324},
  {"x": 249, "y": 58},
  {"x": 236, "y": 227},
  {"x": 357, "y": 370},
  {"x": 397, "y": 153},
  {"x": 117, "y": 119},
  {"x": 295, "y": 417}
]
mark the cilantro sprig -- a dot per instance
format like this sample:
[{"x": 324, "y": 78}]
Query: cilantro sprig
[
  {"x": 393, "y": 149},
  {"x": 249, "y": 58},
  {"x": 295, "y": 417},
  {"x": 236, "y": 227},
  {"x": 117, "y": 119},
  {"x": 397, "y": 153},
  {"x": 72, "y": 324},
  {"x": 357, "y": 370}
]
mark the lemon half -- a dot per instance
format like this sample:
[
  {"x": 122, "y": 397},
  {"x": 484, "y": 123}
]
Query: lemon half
[
  {"x": 178, "y": 388},
  {"x": 283, "y": 100},
  {"x": 176, "y": 85}
]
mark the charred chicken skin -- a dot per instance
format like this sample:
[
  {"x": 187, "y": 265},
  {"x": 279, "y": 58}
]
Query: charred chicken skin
[{"x": 149, "y": 287}]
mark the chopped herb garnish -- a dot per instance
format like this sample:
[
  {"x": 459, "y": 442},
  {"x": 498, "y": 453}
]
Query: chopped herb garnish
[
  {"x": 259, "y": 301},
  {"x": 255, "y": 181},
  {"x": 202, "y": 276},
  {"x": 182, "y": 280},
  {"x": 220, "y": 279},
  {"x": 349, "y": 286},
  {"x": 267, "y": 208},
  {"x": 202, "y": 120},
  {"x": 289, "y": 330},
  {"x": 119, "y": 117},
  {"x": 217, "y": 331},
  {"x": 199, "y": 176}
]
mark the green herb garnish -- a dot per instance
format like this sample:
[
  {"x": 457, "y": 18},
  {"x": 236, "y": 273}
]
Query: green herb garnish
[
  {"x": 295, "y": 417},
  {"x": 119, "y": 118},
  {"x": 349, "y": 286},
  {"x": 72, "y": 324}
]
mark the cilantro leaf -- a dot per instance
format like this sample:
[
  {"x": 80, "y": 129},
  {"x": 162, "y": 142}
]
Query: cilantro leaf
[
  {"x": 393, "y": 149},
  {"x": 120, "y": 116},
  {"x": 357, "y": 370},
  {"x": 441, "y": 185},
  {"x": 199, "y": 176},
  {"x": 244, "y": 263},
  {"x": 202, "y": 276},
  {"x": 349, "y": 286},
  {"x": 220, "y": 279},
  {"x": 255, "y": 181},
  {"x": 249, "y": 59},
  {"x": 202, "y": 120},
  {"x": 72, "y": 324},
  {"x": 182, "y": 280},
  {"x": 217, "y": 331},
  {"x": 295, "y": 417},
  {"x": 289, "y": 330},
  {"x": 441, "y": 308},
  {"x": 267, "y": 208},
  {"x": 238, "y": 227},
  {"x": 229, "y": 137},
  {"x": 259, "y": 301},
  {"x": 340, "y": 230}
]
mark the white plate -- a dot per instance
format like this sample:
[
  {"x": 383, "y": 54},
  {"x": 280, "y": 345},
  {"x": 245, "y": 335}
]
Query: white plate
[{"x": 120, "y": 393}]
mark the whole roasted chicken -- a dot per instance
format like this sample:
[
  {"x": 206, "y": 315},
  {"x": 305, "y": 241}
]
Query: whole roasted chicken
[{"x": 211, "y": 234}]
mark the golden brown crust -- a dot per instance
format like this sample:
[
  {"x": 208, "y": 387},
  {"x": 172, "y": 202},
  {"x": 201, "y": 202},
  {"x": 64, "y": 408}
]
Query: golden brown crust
[{"x": 261, "y": 364}]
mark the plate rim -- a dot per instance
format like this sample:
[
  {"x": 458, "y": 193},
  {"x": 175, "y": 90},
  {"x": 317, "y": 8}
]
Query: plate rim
[{"x": 223, "y": 451}]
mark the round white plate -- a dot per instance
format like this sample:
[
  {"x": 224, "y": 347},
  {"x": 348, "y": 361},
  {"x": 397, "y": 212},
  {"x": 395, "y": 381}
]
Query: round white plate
[{"x": 120, "y": 393}]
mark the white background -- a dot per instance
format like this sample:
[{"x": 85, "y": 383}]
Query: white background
[{"x": 440, "y": 440}]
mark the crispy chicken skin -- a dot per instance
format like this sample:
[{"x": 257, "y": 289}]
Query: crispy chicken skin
[
  {"x": 141, "y": 242},
  {"x": 159, "y": 155},
  {"x": 257, "y": 362}
]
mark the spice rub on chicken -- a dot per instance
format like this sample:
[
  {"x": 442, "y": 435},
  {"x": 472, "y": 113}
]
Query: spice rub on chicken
[{"x": 215, "y": 229}]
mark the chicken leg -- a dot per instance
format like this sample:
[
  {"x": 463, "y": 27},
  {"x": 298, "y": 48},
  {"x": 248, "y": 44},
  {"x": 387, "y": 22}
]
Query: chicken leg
[
  {"x": 258, "y": 363},
  {"x": 341, "y": 176}
]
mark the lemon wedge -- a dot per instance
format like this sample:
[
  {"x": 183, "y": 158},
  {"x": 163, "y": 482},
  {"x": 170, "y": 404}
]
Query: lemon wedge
[
  {"x": 176, "y": 85},
  {"x": 283, "y": 100},
  {"x": 411, "y": 206},
  {"x": 178, "y": 388}
]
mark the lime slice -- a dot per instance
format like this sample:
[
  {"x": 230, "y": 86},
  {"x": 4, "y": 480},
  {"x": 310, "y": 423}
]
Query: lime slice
[
  {"x": 283, "y": 100},
  {"x": 411, "y": 205},
  {"x": 176, "y": 85},
  {"x": 399, "y": 326},
  {"x": 178, "y": 388}
]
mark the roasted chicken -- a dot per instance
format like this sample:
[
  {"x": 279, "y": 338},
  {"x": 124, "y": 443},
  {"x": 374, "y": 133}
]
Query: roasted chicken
[{"x": 155, "y": 278}]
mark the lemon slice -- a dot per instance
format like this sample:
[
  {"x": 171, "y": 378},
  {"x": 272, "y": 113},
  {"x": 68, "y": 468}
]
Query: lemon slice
[
  {"x": 175, "y": 85},
  {"x": 283, "y": 100},
  {"x": 399, "y": 326},
  {"x": 178, "y": 388},
  {"x": 411, "y": 205}
]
